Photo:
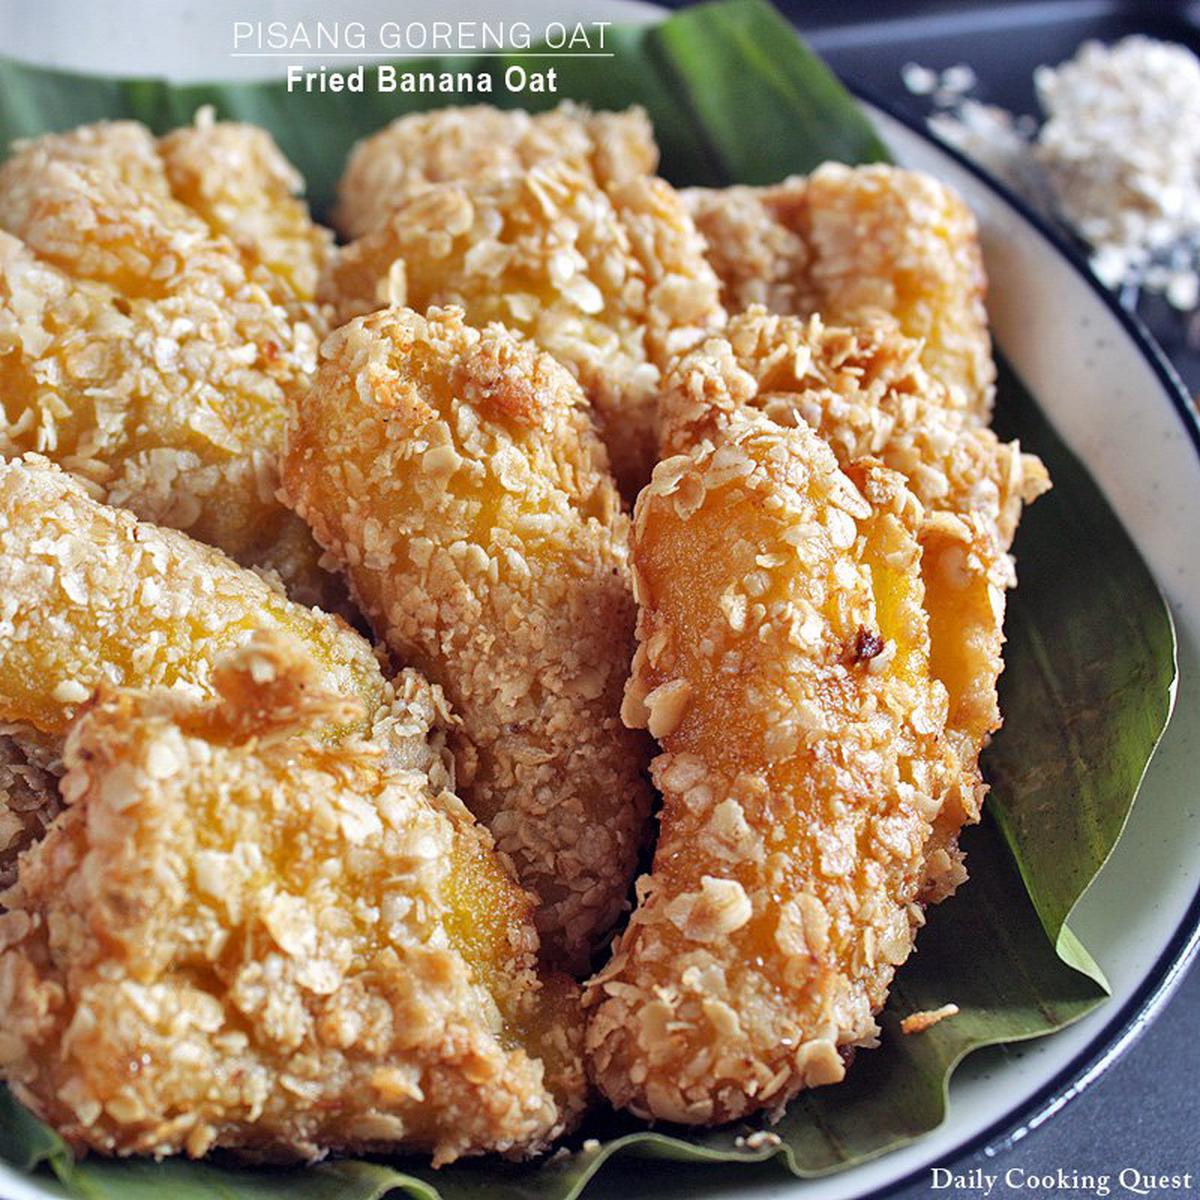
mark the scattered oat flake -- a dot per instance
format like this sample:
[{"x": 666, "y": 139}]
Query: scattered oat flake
[
  {"x": 959, "y": 78},
  {"x": 759, "y": 1140},
  {"x": 919, "y": 80},
  {"x": 919, "y": 1022}
]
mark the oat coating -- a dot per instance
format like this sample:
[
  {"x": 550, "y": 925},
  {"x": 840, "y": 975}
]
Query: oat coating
[
  {"x": 612, "y": 281},
  {"x": 237, "y": 180},
  {"x": 240, "y": 936},
  {"x": 456, "y": 477},
  {"x": 965, "y": 578},
  {"x": 28, "y": 803},
  {"x": 865, "y": 392},
  {"x": 150, "y": 353},
  {"x": 459, "y": 145},
  {"x": 90, "y": 594},
  {"x": 782, "y": 665},
  {"x": 857, "y": 244}
]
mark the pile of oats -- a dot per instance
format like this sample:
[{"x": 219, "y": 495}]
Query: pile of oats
[{"x": 1115, "y": 158}]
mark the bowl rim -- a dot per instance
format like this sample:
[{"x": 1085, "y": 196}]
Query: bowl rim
[{"x": 1132, "y": 1019}]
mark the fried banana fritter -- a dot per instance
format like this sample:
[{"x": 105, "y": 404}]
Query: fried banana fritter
[
  {"x": 611, "y": 281},
  {"x": 782, "y": 664},
  {"x": 90, "y": 594},
  {"x": 239, "y": 936},
  {"x": 865, "y": 392},
  {"x": 237, "y": 180},
  {"x": 151, "y": 347},
  {"x": 458, "y": 145},
  {"x": 456, "y": 477},
  {"x": 860, "y": 244}
]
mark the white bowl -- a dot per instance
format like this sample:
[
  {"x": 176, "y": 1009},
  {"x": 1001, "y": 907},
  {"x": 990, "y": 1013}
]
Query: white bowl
[{"x": 1114, "y": 400}]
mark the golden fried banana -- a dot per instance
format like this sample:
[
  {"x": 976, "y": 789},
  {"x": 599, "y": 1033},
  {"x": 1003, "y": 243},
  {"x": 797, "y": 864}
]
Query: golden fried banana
[
  {"x": 89, "y": 594},
  {"x": 612, "y": 282},
  {"x": 459, "y": 145},
  {"x": 965, "y": 576},
  {"x": 857, "y": 244},
  {"x": 149, "y": 354},
  {"x": 231, "y": 176},
  {"x": 456, "y": 477},
  {"x": 297, "y": 948},
  {"x": 235, "y": 177},
  {"x": 865, "y": 392},
  {"x": 782, "y": 665}
]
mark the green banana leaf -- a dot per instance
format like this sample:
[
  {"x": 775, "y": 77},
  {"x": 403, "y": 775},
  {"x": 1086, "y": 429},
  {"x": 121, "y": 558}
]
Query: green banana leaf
[
  {"x": 1087, "y": 690},
  {"x": 1058, "y": 813}
]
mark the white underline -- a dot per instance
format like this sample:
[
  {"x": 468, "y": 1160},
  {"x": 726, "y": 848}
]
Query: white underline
[{"x": 400, "y": 56}]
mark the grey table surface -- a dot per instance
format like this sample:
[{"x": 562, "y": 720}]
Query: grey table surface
[{"x": 1144, "y": 1111}]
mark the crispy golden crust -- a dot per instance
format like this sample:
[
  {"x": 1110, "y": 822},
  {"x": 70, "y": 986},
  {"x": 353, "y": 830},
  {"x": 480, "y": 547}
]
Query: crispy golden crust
[
  {"x": 142, "y": 348},
  {"x": 237, "y": 180},
  {"x": 182, "y": 970},
  {"x": 759, "y": 250},
  {"x": 865, "y": 392},
  {"x": 456, "y": 477},
  {"x": 458, "y": 145},
  {"x": 90, "y": 594},
  {"x": 856, "y": 244},
  {"x": 28, "y": 803},
  {"x": 612, "y": 282},
  {"x": 782, "y": 664}
]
